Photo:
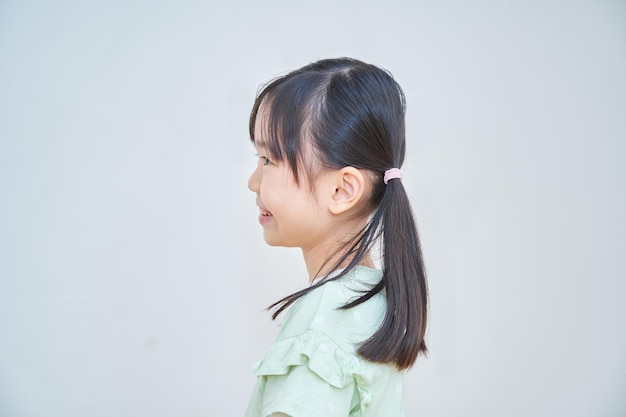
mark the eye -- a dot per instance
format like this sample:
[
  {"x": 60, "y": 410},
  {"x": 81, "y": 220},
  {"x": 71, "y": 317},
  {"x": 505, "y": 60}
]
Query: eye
[{"x": 265, "y": 160}]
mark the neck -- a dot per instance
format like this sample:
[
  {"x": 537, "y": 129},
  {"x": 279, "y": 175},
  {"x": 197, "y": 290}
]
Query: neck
[
  {"x": 321, "y": 261},
  {"x": 322, "y": 256}
]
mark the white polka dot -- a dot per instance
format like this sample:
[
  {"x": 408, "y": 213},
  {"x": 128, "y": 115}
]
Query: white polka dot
[
  {"x": 398, "y": 388},
  {"x": 356, "y": 315},
  {"x": 319, "y": 320},
  {"x": 323, "y": 347}
]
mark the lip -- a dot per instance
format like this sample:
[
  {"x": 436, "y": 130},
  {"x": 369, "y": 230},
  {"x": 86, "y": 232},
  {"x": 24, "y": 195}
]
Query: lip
[{"x": 265, "y": 216}]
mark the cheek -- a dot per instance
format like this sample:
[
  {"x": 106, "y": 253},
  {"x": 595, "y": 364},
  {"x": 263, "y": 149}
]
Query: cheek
[
  {"x": 279, "y": 191},
  {"x": 272, "y": 190}
]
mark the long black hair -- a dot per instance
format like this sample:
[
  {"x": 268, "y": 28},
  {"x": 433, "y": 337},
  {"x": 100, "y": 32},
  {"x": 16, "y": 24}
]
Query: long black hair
[{"x": 353, "y": 115}]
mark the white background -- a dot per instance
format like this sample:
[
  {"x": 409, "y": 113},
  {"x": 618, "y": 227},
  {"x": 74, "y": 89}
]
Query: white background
[{"x": 133, "y": 273}]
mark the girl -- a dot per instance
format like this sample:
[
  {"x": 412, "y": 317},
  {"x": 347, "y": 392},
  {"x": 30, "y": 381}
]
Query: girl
[{"x": 330, "y": 142}]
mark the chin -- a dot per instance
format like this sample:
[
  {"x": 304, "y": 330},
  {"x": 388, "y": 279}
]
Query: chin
[
  {"x": 271, "y": 240},
  {"x": 276, "y": 241}
]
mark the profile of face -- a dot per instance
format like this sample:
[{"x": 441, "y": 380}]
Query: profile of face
[
  {"x": 291, "y": 214},
  {"x": 316, "y": 212}
]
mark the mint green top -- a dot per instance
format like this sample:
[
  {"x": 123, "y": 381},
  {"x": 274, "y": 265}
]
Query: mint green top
[{"x": 313, "y": 369}]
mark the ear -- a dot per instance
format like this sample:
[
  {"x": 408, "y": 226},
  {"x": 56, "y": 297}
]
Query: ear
[{"x": 349, "y": 184}]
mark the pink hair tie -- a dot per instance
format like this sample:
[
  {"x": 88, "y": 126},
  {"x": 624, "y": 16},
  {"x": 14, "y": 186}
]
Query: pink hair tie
[{"x": 391, "y": 174}]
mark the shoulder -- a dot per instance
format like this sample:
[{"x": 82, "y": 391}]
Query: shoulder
[
  {"x": 314, "y": 359},
  {"x": 320, "y": 310}
]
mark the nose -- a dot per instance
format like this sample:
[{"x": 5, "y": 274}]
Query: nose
[{"x": 254, "y": 180}]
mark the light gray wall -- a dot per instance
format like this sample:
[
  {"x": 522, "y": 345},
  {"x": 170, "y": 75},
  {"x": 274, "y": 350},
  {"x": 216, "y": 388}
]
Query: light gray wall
[{"x": 133, "y": 274}]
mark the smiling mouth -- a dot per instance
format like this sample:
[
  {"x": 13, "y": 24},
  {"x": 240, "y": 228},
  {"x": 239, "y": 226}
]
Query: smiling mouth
[{"x": 265, "y": 216}]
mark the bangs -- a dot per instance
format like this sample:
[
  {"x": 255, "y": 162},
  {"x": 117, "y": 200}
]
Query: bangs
[{"x": 282, "y": 118}]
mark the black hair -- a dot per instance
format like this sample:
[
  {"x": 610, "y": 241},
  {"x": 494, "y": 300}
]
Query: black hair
[{"x": 353, "y": 115}]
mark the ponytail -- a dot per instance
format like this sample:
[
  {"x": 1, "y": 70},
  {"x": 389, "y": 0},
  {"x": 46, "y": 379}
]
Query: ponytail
[{"x": 400, "y": 337}]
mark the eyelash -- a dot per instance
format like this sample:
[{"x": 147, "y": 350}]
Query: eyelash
[{"x": 265, "y": 159}]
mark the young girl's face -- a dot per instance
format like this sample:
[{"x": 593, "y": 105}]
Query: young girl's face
[
  {"x": 291, "y": 215},
  {"x": 320, "y": 213}
]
